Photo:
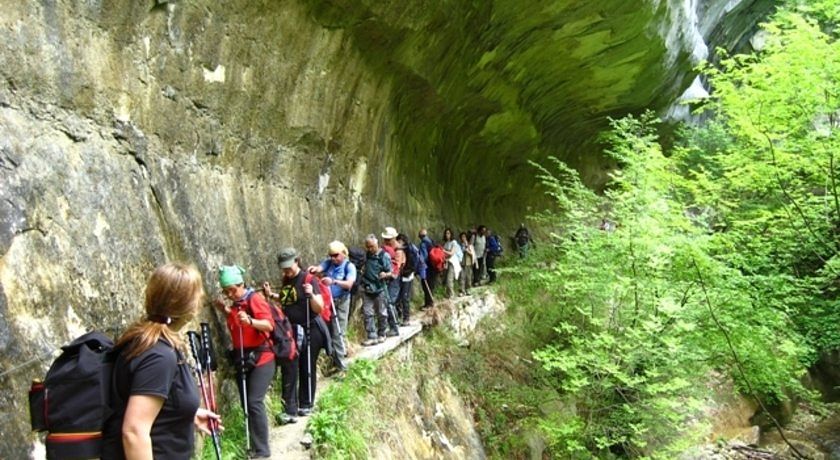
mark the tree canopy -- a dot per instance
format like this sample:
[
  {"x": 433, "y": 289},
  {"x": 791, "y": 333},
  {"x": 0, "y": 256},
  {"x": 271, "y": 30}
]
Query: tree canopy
[{"x": 723, "y": 260}]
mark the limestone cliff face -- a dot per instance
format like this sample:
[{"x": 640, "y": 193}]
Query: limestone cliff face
[{"x": 217, "y": 132}]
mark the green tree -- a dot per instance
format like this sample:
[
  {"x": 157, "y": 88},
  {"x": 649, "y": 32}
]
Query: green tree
[{"x": 724, "y": 258}]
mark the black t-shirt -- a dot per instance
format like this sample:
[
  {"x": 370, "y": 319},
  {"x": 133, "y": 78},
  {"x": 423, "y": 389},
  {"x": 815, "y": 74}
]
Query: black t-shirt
[
  {"x": 159, "y": 371},
  {"x": 293, "y": 298}
]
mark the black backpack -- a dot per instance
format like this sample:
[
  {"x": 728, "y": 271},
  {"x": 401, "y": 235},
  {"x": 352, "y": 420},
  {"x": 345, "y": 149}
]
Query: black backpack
[
  {"x": 357, "y": 256},
  {"x": 73, "y": 402}
]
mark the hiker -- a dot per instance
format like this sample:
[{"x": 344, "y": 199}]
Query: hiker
[
  {"x": 249, "y": 321},
  {"x": 480, "y": 247},
  {"x": 302, "y": 302},
  {"x": 389, "y": 245},
  {"x": 376, "y": 274},
  {"x": 494, "y": 250},
  {"x": 413, "y": 265},
  {"x": 607, "y": 225},
  {"x": 156, "y": 401},
  {"x": 468, "y": 264},
  {"x": 453, "y": 261},
  {"x": 523, "y": 241},
  {"x": 427, "y": 274},
  {"x": 339, "y": 275},
  {"x": 357, "y": 256}
]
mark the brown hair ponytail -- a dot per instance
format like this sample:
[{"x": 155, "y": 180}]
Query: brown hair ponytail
[{"x": 173, "y": 293}]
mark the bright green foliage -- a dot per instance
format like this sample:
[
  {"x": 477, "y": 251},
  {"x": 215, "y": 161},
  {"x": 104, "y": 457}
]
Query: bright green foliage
[
  {"x": 623, "y": 335},
  {"x": 640, "y": 314},
  {"x": 772, "y": 179},
  {"x": 724, "y": 256},
  {"x": 334, "y": 434},
  {"x": 232, "y": 439}
]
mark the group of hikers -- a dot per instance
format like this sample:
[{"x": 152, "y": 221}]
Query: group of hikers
[{"x": 158, "y": 402}]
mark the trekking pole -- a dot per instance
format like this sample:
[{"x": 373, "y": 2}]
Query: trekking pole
[
  {"x": 428, "y": 289},
  {"x": 244, "y": 388},
  {"x": 392, "y": 310},
  {"x": 308, "y": 355},
  {"x": 207, "y": 346},
  {"x": 210, "y": 360},
  {"x": 212, "y": 424}
]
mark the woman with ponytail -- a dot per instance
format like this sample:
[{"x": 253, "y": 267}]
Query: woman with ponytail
[{"x": 155, "y": 399}]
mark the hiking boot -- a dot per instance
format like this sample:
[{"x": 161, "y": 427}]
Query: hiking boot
[
  {"x": 339, "y": 363},
  {"x": 370, "y": 342},
  {"x": 284, "y": 419},
  {"x": 304, "y": 411},
  {"x": 392, "y": 333}
]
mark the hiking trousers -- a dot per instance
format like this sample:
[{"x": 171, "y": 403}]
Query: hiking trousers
[
  {"x": 394, "y": 297},
  {"x": 309, "y": 380},
  {"x": 479, "y": 271},
  {"x": 466, "y": 279},
  {"x": 428, "y": 300},
  {"x": 404, "y": 302},
  {"x": 491, "y": 267},
  {"x": 450, "y": 282},
  {"x": 342, "y": 310},
  {"x": 375, "y": 307},
  {"x": 289, "y": 379},
  {"x": 432, "y": 279},
  {"x": 256, "y": 382}
]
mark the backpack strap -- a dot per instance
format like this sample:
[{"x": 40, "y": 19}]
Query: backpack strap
[
  {"x": 344, "y": 269},
  {"x": 248, "y": 296},
  {"x": 382, "y": 260}
]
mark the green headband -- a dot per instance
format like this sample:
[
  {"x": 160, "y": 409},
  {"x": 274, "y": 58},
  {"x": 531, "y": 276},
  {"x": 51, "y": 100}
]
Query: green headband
[{"x": 230, "y": 275}]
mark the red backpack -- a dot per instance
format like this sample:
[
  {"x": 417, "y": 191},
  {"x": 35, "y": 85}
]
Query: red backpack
[
  {"x": 437, "y": 258},
  {"x": 282, "y": 336},
  {"x": 326, "y": 294}
]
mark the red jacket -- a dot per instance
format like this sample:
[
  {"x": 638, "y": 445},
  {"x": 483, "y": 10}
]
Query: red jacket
[{"x": 258, "y": 308}]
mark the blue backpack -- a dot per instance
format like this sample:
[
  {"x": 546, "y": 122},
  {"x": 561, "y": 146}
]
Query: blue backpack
[
  {"x": 413, "y": 262},
  {"x": 494, "y": 245}
]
